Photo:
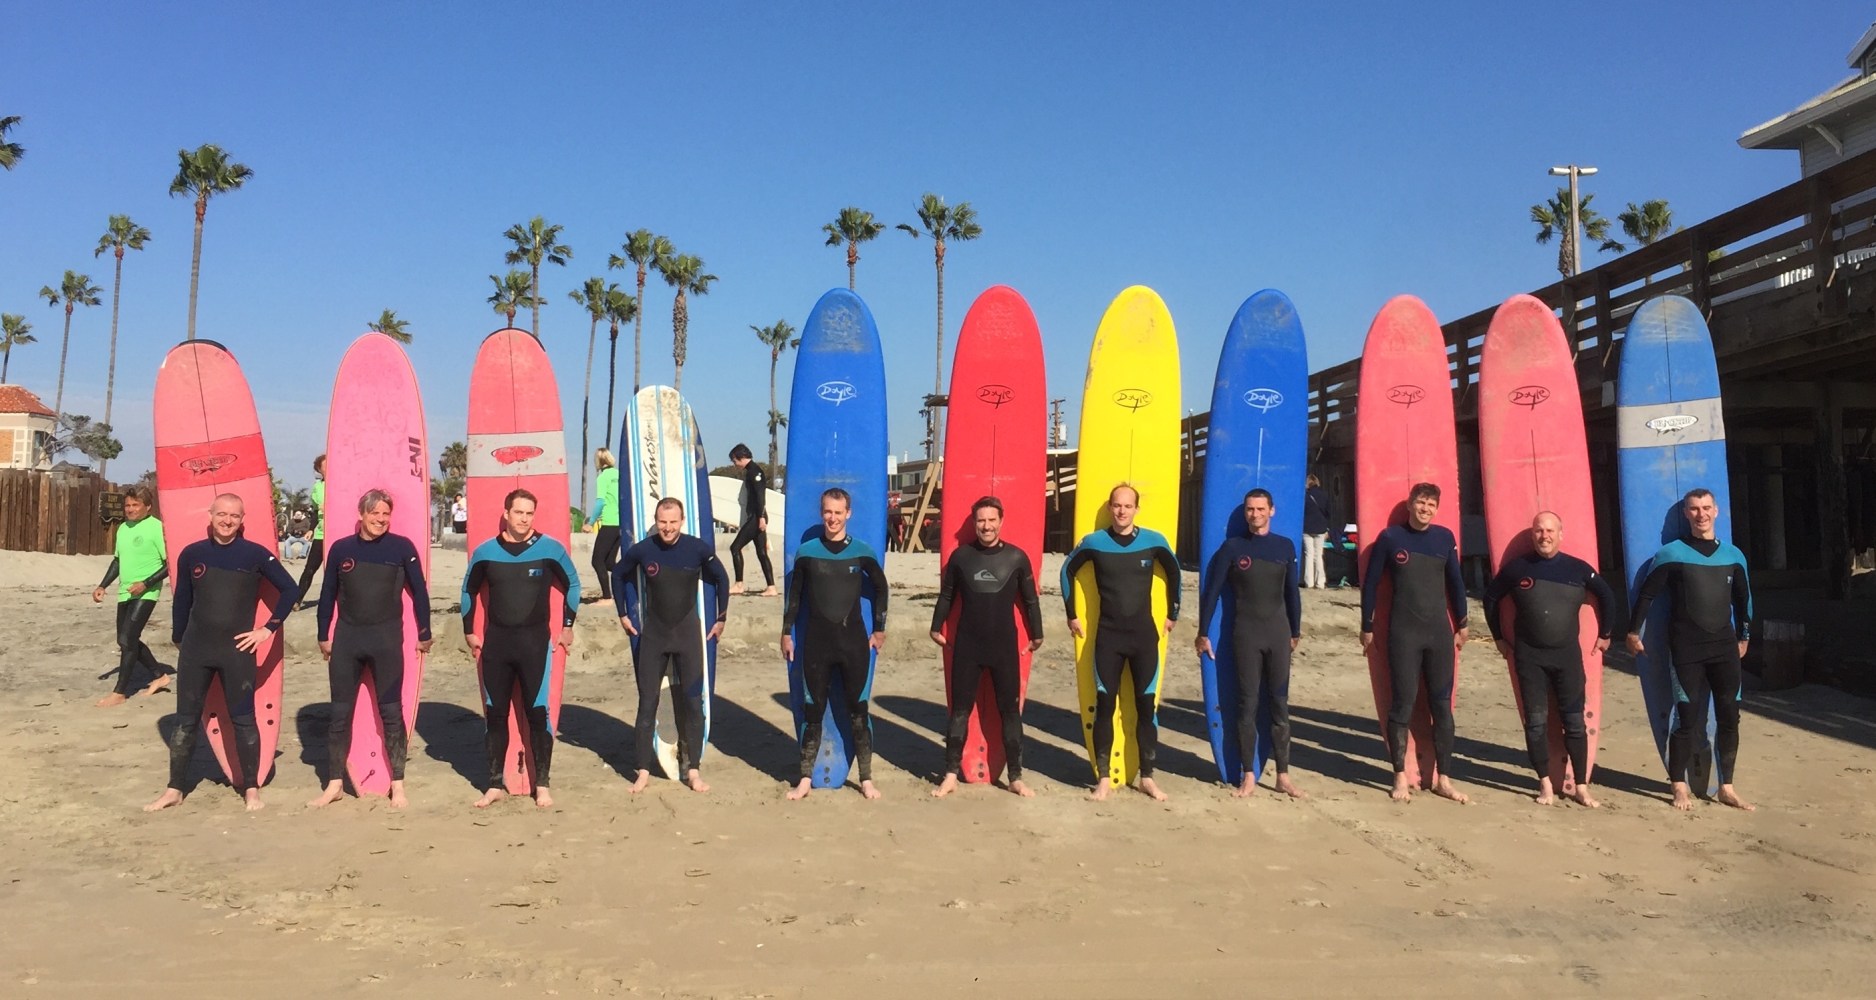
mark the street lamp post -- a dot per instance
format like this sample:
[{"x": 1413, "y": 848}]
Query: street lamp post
[{"x": 1576, "y": 243}]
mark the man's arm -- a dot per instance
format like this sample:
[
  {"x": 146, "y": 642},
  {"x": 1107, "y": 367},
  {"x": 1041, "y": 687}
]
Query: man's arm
[
  {"x": 1651, "y": 588},
  {"x": 183, "y": 600},
  {"x": 625, "y": 581},
  {"x": 1456, "y": 589},
  {"x": 716, "y": 576},
  {"x": 286, "y": 588},
  {"x": 876, "y": 579},
  {"x": 472, "y": 580},
  {"x": 1070, "y": 567},
  {"x": 947, "y": 592},
  {"x": 562, "y": 565},
  {"x": 329, "y": 594},
  {"x": 1293, "y": 596},
  {"x": 1378, "y": 555},
  {"x": 1742, "y": 603},
  {"x": 419, "y": 589},
  {"x": 155, "y": 580},
  {"x": 110, "y": 574},
  {"x": 1212, "y": 586},
  {"x": 796, "y": 585},
  {"x": 1031, "y": 597},
  {"x": 1169, "y": 562},
  {"x": 1495, "y": 593},
  {"x": 1604, "y": 597}
]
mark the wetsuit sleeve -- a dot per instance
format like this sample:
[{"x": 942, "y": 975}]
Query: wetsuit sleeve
[
  {"x": 1070, "y": 567},
  {"x": 947, "y": 592},
  {"x": 570, "y": 582},
  {"x": 599, "y": 509},
  {"x": 1605, "y": 603},
  {"x": 156, "y": 579},
  {"x": 1293, "y": 597},
  {"x": 1378, "y": 555},
  {"x": 791, "y": 604},
  {"x": 285, "y": 586},
  {"x": 183, "y": 600},
  {"x": 625, "y": 581},
  {"x": 1651, "y": 588},
  {"x": 471, "y": 586},
  {"x": 419, "y": 592},
  {"x": 1495, "y": 596},
  {"x": 1456, "y": 589},
  {"x": 110, "y": 574},
  {"x": 876, "y": 578},
  {"x": 1742, "y": 603},
  {"x": 715, "y": 576},
  {"x": 1031, "y": 598},
  {"x": 1169, "y": 562},
  {"x": 328, "y": 598},
  {"x": 1211, "y": 587}
]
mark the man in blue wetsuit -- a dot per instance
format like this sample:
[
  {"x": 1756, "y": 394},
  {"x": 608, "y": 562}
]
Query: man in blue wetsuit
[
  {"x": 1267, "y": 623},
  {"x": 520, "y": 567},
  {"x": 1426, "y": 630},
  {"x": 1547, "y": 587},
  {"x": 656, "y": 587},
  {"x": 1125, "y": 556},
  {"x": 218, "y": 584},
  {"x": 1710, "y": 625}
]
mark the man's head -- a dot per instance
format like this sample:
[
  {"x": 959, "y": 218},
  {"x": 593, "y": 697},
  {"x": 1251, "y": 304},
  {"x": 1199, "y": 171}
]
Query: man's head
[
  {"x": 836, "y": 507},
  {"x": 1258, "y": 506},
  {"x": 669, "y": 519},
  {"x": 1423, "y": 502},
  {"x": 1701, "y": 511},
  {"x": 1123, "y": 505},
  {"x": 741, "y": 455},
  {"x": 319, "y": 465},
  {"x": 987, "y": 520},
  {"x": 137, "y": 502},
  {"x": 374, "y": 514},
  {"x": 518, "y": 514},
  {"x": 1547, "y": 533},
  {"x": 225, "y": 516}
]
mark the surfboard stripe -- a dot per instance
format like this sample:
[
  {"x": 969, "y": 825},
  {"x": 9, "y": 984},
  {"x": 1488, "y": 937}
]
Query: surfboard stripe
[{"x": 226, "y": 460}]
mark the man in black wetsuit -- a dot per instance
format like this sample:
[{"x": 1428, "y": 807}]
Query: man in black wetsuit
[
  {"x": 831, "y": 575},
  {"x": 989, "y": 581},
  {"x": 1704, "y": 579},
  {"x": 520, "y": 567},
  {"x": 1266, "y": 624},
  {"x": 1546, "y": 588},
  {"x": 656, "y": 589},
  {"x": 369, "y": 572},
  {"x": 1125, "y": 556},
  {"x": 218, "y": 583},
  {"x": 754, "y": 527},
  {"x": 1426, "y": 629}
]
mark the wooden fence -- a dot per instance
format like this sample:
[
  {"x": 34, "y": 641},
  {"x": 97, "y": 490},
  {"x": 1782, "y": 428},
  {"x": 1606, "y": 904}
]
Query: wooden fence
[{"x": 53, "y": 511}]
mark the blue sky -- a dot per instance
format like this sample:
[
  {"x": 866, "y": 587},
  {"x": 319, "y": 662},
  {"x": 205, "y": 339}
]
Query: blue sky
[{"x": 1341, "y": 153}]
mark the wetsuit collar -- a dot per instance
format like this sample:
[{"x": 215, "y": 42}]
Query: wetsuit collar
[{"x": 503, "y": 535}]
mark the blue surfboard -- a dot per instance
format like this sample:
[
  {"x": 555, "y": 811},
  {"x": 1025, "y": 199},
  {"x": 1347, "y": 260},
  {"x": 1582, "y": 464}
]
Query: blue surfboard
[
  {"x": 836, "y": 437},
  {"x": 1672, "y": 438},
  {"x": 1259, "y": 437}
]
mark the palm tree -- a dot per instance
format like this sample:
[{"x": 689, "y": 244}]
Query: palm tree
[
  {"x": 514, "y": 292},
  {"x": 1647, "y": 222},
  {"x": 943, "y": 223},
  {"x": 14, "y": 330},
  {"x": 204, "y": 172},
  {"x": 684, "y": 272},
  {"x": 591, "y": 297},
  {"x": 120, "y": 234},
  {"x": 536, "y": 241},
  {"x": 852, "y": 227},
  {"x": 74, "y": 290},
  {"x": 388, "y": 324},
  {"x": 777, "y": 338},
  {"x": 1553, "y": 219},
  {"x": 620, "y": 308},
  {"x": 10, "y": 152},
  {"x": 643, "y": 250}
]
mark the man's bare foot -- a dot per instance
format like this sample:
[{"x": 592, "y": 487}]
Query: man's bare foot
[
  {"x": 694, "y": 779},
  {"x": 1151, "y": 790},
  {"x": 170, "y": 797},
  {"x": 398, "y": 799},
  {"x": 1729, "y": 797},
  {"x": 1021, "y": 789},
  {"x": 1445, "y": 790},
  {"x": 1580, "y": 795},
  {"x": 335, "y": 790},
  {"x": 1102, "y": 789},
  {"x": 947, "y": 786},
  {"x": 253, "y": 798},
  {"x": 490, "y": 797},
  {"x": 801, "y": 789},
  {"x": 159, "y": 684},
  {"x": 1288, "y": 787},
  {"x": 1545, "y": 796},
  {"x": 1246, "y": 787},
  {"x": 867, "y": 789},
  {"x": 543, "y": 799},
  {"x": 1403, "y": 789},
  {"x": 736, "y": 589},
  {"x": 109, "y": 700},
  {"x": 770, "y": 591},
  {"x": 1683, "y": 797},
  {"x": 642, "y": 782}
]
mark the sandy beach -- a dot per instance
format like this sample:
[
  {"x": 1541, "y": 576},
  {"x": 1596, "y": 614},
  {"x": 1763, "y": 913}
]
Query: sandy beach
[{"x": 739, "y": 894}]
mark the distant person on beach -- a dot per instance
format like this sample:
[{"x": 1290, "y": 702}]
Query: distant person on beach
[
  {"x": 318, "y": 552},
  {"x": 1266, "y": 609},
  {"x": 833, "y": 572},
  {"x": 1710, "y": 624},
  {"x": 298, "y": 527},
  {"x": 1317, "y": 519},
  {"x": 1125, "y": 557},
  {"x": 989, "y": 581},
  {"x": 754, "y": 527},
  {"x": 140, "y": 564},
  {"x": 657, "y": 582},
  {"x": 1546, "y": 588},
  {"x": 519, "y": 568},
  {"x": 459, "y": 515},
  {"x": 1426, "y": 629},
  {"x": 218, "y": 584},
  {"x": 604, "y": 522},
  {"x": 375, "y": 568}
]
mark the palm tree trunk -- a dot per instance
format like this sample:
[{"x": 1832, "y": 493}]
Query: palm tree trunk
[
  {"x": 853, "y": 262},
  {"x": 6, "y": 361},
  {"x": 195, "y": 261},
  {"x": 65, "y": 343},
  {"x": 586, "y": 404},
  {"x": 938, "y": 377},
  {"x": 612, "y": 379},
  {"x": 638, "y": 338},
  {"x": 680, "y": 319},
  {"x": 534, "y": 291},
  {"x": 775, "y": 355},
  {"x": 110, "y": 373}
]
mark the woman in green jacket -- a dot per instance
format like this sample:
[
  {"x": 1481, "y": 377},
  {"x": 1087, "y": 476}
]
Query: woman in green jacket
[{"x": 605, "y": 521}]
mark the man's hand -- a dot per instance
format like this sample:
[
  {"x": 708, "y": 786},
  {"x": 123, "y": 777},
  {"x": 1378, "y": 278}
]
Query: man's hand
[
  {"x": 1460, "y": 637},
  {"x": 1504, "y": 649},
  {"x": 716, "y": 632},
  {"x": 1602, "y": 645},
  {"x": 878, "y": 641},
  {"x": 1293, "y": 641},
  {"x": 325, "y": 648},
  {"x": 938, "y": 637},
  {"x": 249, "y": 642},
  {"x": 762, "y": 524},
  {"x": 1635, "y": 644},
  {"x": 1074, "y": 628},
  {"x": 565, "y": 639},
  {"x": 1367, "y": 641},
  {"x": 1035, "y": 644},
  {"x": 474, "y": 641},
  {"x": 1169, "y": 626},
  {"x": 788, "y": 647},
  {"x": 625, "y": 622},
  {"x": 97, "y": 595},
  {"x": 1743, "y": 643},
  {"x": 1203, "y": 644},
  {"x": 423, "y": 645},
  {"x": 136, "y": 589}
]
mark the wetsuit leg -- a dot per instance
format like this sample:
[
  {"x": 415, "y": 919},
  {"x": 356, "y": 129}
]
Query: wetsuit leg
[
  {"x": 1144, "y": 661},
  {"x": 498, "y": 685},
  {"x": 649, "y": 669},
  {"x": 1251, "y": 658},
  {"x": 132, "y": 616},
  {"x": 1440, "y": 677},
  {"x": 1110, "y": 648},
  {"x": 605, "y": 556},
  {"x": 748, "y": 534},
  {"x": 1694, "y": 693},
  {"x": 856, "y": 674},
  {"x": 967, "y": 670},
  {"x": 1534, "y": 687},
  {"x": 387, "y": 676},
  {"x": 1006, "y": 682},
  {"x": 313, "y": 559},
  {"x": 817, "y": 672},
  {"x": 687, "y": 691},
  {"x": 533, "y": 676},
  {"x": 192, "y": 678},
  {"x": 1277, "y": 681},
  {"x": 238, "y": 682},
  {"x": 1404, "y": 658},
  {"x": 1570, "y": 686},
  {"x": 761, "y": 543},
  {"x": 343, "y": 672},
  {"x": 1723, "y": 679}
]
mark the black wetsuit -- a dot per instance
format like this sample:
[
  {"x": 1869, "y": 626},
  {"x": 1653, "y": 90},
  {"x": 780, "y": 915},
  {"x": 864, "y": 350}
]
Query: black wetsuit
[
  {"x": 217, "y": 587},
  {"x": 1126, "y": 634},
  {"x": 1706, "y": 581},
  {"x": 517, "y": 642},
  {"x": 1427, "y": 610},
  {"x": 1266, "y": 616},
  {"x": 133, "y": 613},
  {"x": 988, "y": 586},
  {"x": 365, "y": 584},
  {"x": 656, "y": 585},
  {"x": 755, "y": 506},
  {"x": 830, "y": 578},
  {"x": 1548, "y": 595}
]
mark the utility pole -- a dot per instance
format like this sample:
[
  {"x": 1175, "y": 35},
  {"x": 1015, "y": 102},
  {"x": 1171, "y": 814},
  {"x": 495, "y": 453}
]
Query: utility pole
[
  {"x": 1058, "y": 436},
  {"x": 1574, "y": 236}
]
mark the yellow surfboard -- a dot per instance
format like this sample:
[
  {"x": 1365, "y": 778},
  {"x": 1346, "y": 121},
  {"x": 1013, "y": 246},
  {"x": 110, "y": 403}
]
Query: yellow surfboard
[{"x": 1130, "y": 411}]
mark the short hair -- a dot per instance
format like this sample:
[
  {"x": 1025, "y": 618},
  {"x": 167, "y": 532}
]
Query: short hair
[
  {"x": 319, "y": 464},
  {"x": 1697, "y": 493},
  {"x": 836, "y": 493},
  {"x": 1428, "y": 490},
  {"x": 1264, "y": 493},
  {"x": 1124, "y": 486},
  {"x": 670, "y": 502},
  {"x": 602, "y": 457},
  {"x": 373, "y": 498},
  {"x": 1312, "y": 480},
  {"x": 987, "y": 501},
  {"x": 508, "y": 502},
  {"x": 236, "y": 497},
  {"x": 141, "y": 493},
  {"x": 1540, "y": 515},
  {"x": 741, "y": 451}
]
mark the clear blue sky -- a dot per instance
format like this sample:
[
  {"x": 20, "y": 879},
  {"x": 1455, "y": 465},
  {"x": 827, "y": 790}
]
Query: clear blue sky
[{"x": 1206, "y": 150}]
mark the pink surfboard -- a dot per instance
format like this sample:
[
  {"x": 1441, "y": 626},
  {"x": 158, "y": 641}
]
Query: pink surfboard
[
  {"x": 208, "y": 442},
  {"x": 517, "y": 441},
  {"x": 1535, "y": 457},
  {"x": 1403, "y": 435},
  {"x": 375, "y": 441}
]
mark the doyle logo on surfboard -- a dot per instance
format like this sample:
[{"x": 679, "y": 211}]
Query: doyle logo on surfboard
[
  {"x": 836, "y": 392},
  {"x": 202, "y": 465},
  {"x": 1671, "y": 423},
  {"x": 1528, "y": 395},
  {"x": 995, "y": 395},
  {"x": 1133, "y": 399},
  {"x": 1406, "y": 395},
  {"x": 1263, "y": 400},
  {"x": 515, "y": 453}
]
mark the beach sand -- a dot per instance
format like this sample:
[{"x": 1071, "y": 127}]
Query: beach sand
[{"x": 739, "y": 894}]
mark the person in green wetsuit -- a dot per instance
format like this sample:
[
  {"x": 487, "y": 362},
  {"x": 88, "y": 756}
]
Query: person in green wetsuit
[
  {"x": 604, "y": 521},
  {"x": 318, "y": 553},
  {"x": 140, "y": 565}
]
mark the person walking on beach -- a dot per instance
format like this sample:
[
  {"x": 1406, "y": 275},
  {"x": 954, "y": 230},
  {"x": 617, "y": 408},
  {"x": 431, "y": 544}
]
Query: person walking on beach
[
  {"x": 1426, "y": 630},
  {"x": 375, "y": 568},
  {"x": 139, "y": 566},
  {"x": 1125, "y": 557},
  {"x": 832, "y": 574},
  {"x": 1546, "y": 588},
  {"x": 512, "y": 575},
  {"x": 1318, "y": 524},
  {"x": 989, "y": 580},
  {"x": 1266, "y": 620},
  {"x": 604, "y": 523},
  {"x": 317, "y": 554},
  {"x": 218, "y": 584},
  {"x": 1710, "y": 625},
  {"x": 657, "y": 588},
  {"x": 755, "y": 521},
  {"x": 459, "y": 516}
]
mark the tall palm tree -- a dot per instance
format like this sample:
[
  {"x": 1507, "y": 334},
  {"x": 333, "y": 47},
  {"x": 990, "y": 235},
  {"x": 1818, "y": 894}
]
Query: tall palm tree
[
  {"x": 642, "y": 249},
  {"x": 620, "y": 308},
  {"x": 591, "y": 297},
  {"x": 536, "y": 241},
  {"x": 853, "y": 227},
  {"x": 204, "y": 173},
  {"x": 14, "y": 330},
  {"x": 120, "y": 234},
  {"x": 1647, "y": 222},
  {"x": 514, "y": 292},
  {"x": 388, "y": 324},
  {"x": 777, "y": 338},
  {"x": 684, "y": 272},
  {"x": 10, "y": 152},
  {"x": 943, "y": 223},
  {"x": 1553, "y": 219},
  {"x": 74, "y": 290}
]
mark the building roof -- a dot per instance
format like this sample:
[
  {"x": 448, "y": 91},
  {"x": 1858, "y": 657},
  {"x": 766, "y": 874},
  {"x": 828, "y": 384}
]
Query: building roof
[
  {"x": 19, "y": 399},
  {"x": 1824, "y": 113}
]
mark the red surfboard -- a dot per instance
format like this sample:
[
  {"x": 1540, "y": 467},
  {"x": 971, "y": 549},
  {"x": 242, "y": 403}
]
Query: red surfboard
[
  {"x": 1535, "y": 457},
  {"x": 1403, "y": 435},
  {"x": 208, "y": 442},
  {"x": 517, "y": 441},
  {"x": 996, "y": 441}
]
